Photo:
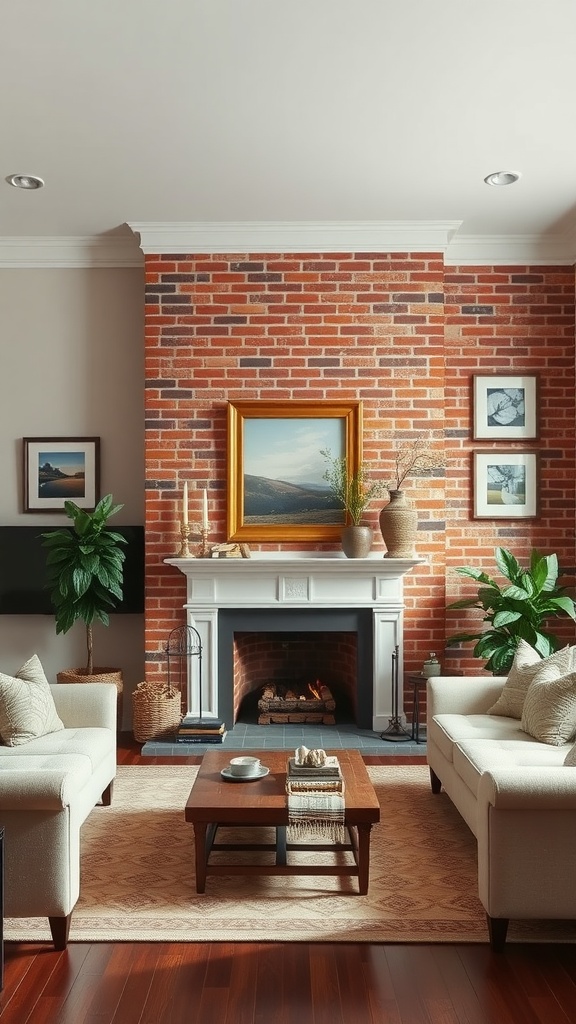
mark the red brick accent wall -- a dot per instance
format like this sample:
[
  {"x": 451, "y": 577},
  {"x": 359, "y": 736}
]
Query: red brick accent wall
[
  {"x": 367, "y": 327},
  {"x": 513, "y": 320}
]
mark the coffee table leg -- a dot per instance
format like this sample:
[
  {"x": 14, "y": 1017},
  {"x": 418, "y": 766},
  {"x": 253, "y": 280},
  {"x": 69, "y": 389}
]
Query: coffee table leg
[
  {"x": 363, "y": 858},
  {"x": 281, "y": 844},
  {"x": 201, "y": 852}
]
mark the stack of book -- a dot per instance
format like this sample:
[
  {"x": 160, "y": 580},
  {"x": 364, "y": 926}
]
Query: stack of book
[{"x": 200, "y": 730}]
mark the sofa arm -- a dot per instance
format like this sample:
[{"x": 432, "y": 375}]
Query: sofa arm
[
  {"x": 23, "y": 790},
  {"x": 462, "y": 695},
  {"x": 82, "y": 705},
  {"x": 550, "y": 788}
]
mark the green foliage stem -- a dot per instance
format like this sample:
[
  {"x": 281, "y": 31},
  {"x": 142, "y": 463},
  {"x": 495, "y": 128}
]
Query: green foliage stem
[{"x": 353, "y": 490}]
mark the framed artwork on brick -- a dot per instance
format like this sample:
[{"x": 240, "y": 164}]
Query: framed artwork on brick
[
  {"x": 276, "y": 485},
  {"x": 505, "y": 407},
  {"x": 505, "y": 484},
  {"x": 59, "y": 469}
]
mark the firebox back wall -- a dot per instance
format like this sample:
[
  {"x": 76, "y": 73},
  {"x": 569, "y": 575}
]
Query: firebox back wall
[{"x": 400, "y": 332}]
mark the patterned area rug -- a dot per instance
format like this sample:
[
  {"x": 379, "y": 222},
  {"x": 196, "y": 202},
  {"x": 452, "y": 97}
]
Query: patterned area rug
[{"x": 138, "y": 876}]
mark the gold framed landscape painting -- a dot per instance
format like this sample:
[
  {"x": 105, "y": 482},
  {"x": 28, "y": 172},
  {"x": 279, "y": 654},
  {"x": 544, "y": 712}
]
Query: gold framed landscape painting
[
  {"x": 276, "y": 485},
  {"x": 505, "y": 484},
  {"x": 59, "y": 469}
]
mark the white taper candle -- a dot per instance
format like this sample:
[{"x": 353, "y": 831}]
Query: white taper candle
[
  {"x": 185, "y": 504},
  {"x": 204, "y": 510}
]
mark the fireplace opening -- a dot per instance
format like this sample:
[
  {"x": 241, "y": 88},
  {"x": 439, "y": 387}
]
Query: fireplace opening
[
  {"x": 291, "y": 650},
  {"x": 289, "y": 673}
]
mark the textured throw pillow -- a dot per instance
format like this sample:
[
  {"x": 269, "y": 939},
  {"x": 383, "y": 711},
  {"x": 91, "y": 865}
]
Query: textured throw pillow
[
  {"x": 570, "y": 758},
  {"x": 549, "y": 713},
  {"x": 526, "y": 666},
  {"x": 27, "y": 708}
]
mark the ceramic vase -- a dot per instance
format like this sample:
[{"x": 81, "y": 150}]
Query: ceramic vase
[
  {"x": 357, "y": 541},
  {"x": 398, "y": 524}
]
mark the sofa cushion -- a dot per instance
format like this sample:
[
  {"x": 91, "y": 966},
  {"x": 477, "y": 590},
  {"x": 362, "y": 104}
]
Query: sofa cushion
[
  {"x": 446, "y": 730},
  {"x": 93, "y": 744},
  {"x": 550, "y": 709},
  {"x": 526, "y": 666},
  {"x": 27, "y": 707}
]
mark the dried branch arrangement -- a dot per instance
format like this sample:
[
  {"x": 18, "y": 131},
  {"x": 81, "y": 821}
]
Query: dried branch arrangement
[{"x": 414, "y": 458}]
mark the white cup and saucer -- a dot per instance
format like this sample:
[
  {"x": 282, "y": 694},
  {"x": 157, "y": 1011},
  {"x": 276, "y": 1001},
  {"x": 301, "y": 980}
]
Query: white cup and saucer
[{"x": 244, "y": 769}]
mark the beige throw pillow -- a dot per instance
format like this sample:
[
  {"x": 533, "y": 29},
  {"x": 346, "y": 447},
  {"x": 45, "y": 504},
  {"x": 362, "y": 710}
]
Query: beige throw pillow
[
  {"x": 27, "y": 708},
  {"x": 526, "y": 666},
  {"x": 549, "y": 713}
]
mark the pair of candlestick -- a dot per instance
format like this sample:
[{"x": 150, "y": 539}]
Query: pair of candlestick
[
  {"x": 185, "y": 507},
  {"x": 188, "y": 532}
]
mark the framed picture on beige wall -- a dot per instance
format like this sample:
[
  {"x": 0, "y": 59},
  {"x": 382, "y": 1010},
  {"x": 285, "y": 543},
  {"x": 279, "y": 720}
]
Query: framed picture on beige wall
[
  {"x": 505, "y": 484},
  {"x": 504, "y": 407},
  {"x": 276, "y": 485},
  {"x": 59, "y": 469}
]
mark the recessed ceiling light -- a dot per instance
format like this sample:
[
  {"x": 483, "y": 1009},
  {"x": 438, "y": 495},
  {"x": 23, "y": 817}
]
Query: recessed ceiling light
[
  {"x": 502, "y": 178},
  {"x": 29, "y": 181}
]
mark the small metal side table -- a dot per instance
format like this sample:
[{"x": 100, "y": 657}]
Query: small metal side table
[{"x": 418, "y": 682}]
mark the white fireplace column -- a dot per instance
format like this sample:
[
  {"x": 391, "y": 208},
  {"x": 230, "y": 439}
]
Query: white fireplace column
[{"x": 296, "y": 580}]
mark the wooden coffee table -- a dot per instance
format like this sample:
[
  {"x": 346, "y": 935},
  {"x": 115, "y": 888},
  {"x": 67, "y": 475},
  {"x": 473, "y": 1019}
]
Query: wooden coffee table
[{"x": 214, "y": 802}]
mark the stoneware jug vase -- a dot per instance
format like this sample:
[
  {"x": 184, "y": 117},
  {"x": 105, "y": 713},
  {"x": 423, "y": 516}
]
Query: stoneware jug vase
[
  {"x": 357, "y": 541},
  {"x": 398, "y": 524}
]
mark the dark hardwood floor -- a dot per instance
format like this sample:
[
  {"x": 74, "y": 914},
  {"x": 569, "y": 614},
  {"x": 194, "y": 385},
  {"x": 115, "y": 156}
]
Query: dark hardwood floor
[{"x": 292, "y": 983}]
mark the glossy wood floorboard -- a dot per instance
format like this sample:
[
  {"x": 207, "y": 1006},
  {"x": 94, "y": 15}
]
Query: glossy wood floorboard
[{"x": 291, "y": 983}]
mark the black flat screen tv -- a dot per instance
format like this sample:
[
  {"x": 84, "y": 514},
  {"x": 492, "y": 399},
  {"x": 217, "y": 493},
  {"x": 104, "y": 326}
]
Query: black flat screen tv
[{"x": 23, "y": 588}]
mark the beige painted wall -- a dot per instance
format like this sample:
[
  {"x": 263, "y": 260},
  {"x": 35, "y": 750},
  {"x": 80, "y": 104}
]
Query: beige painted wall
[{"x": 72, "y": 364}]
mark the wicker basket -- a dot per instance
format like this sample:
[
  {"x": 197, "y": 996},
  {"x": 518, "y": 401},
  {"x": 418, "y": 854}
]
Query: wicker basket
[{"x": 156, "y": 711}]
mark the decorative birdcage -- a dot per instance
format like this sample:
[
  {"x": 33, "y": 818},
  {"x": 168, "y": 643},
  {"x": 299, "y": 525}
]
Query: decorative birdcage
[{"x": 184, "y": 646}]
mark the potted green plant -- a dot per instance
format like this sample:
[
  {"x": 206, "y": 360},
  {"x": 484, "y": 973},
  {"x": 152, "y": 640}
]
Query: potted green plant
[
  {"x": 354, "y": 492},
  {"x": 515, "y": 610},
  {"x": 85, "y": 566}
]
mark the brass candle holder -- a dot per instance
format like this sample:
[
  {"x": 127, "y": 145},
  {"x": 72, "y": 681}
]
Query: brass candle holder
[
  {"x": 187, "y": 532},
  {"x": 192, "y": 533},
  {"x": 204, "y": 551}
]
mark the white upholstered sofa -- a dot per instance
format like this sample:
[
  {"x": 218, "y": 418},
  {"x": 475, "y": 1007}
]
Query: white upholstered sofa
[
  {"x": 515, "y": 791},
  {"x": 48, "y": 785}
]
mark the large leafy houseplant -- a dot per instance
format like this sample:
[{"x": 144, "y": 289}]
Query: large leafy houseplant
[
  {"x": 85, "y": 567},
  {"x": 517, "y": 610}
]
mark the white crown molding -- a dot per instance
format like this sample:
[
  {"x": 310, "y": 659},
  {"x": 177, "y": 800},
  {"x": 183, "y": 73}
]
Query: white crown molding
[
  {"x": 287, "y": 236},
  {"x": 294, "y": 236},
  {"x": 30, "y": 251},
  {"x": 513, "y": 250}
]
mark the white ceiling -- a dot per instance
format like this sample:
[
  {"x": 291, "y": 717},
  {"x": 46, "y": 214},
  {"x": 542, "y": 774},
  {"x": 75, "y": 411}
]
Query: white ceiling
[{"x": 172, "y": 113}]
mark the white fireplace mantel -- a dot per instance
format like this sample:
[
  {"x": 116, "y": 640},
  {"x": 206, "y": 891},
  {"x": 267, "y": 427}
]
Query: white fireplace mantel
[{"x": 297, "y": 580}]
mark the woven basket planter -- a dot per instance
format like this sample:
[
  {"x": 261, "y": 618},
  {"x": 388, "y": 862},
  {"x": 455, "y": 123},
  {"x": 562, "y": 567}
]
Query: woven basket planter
[
  {"x": 100, "y": 675},
  {"x": 156, "y": 711}
]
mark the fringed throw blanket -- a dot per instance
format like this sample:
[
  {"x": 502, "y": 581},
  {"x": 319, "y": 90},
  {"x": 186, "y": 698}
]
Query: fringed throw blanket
[{"x": 316, "y": 810}]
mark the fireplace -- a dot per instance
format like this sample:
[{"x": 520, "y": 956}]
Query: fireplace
[
  {"x": 296, "y": 646},
  {"x": 297, "y": 593}
]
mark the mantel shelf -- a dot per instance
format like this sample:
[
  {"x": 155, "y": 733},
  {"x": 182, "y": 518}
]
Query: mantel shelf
[{"x": 265, "y": 563}]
